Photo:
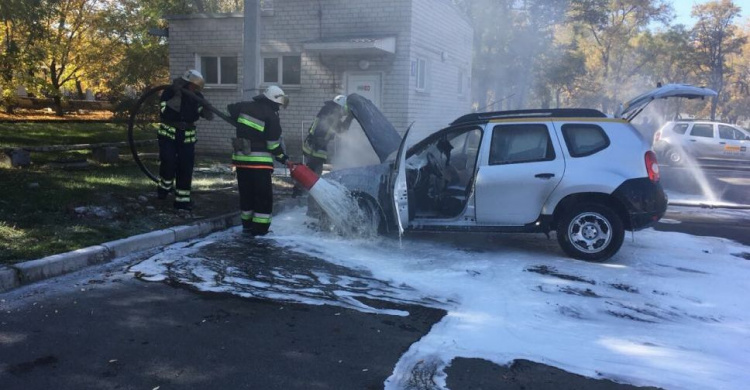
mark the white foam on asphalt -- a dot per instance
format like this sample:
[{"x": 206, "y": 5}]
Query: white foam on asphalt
[{"x": 669, "y": 310}]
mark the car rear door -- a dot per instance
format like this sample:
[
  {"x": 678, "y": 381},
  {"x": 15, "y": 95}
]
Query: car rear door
[
  {"x": 702, "y": 142},
  {"x": 520, "y": 166},
  {"x": 632, "y": 108}
]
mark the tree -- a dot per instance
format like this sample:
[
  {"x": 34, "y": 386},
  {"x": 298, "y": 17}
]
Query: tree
[
  {"x": 607, "y": 30},
  {"x": 716, "y": 38},
  {"x": 19, "y": 33}
]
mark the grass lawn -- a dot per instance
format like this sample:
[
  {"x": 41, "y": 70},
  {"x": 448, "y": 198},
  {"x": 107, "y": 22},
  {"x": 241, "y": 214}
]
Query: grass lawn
[
  {"x": 47, "y": 208},
  {"x": 60, "y": 133}
]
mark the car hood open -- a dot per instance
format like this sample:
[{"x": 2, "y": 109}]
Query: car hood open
[{"x": 379, "y": 131}]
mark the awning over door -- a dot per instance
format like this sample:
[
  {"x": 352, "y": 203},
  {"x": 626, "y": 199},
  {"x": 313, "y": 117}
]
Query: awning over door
[{"x": 353, "y": 46}]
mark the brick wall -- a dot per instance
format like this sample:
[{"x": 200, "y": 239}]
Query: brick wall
[
  {"x": 422, "y": 28},
  {"x": 441, "y": 35},
  {"x": 217, "y": 35}
]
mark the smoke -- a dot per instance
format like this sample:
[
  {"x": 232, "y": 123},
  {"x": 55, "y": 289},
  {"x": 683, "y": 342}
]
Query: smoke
[{"x": 352, "y": 149}]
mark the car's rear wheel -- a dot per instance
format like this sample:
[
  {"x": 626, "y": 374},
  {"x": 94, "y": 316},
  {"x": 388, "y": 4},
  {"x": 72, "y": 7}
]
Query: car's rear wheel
[
  {"x": 674, "y": 156},
  {"x": 591, "y": 232}
]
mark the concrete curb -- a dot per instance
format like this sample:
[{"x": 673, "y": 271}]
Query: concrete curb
[{"x": 28, "y": 272}]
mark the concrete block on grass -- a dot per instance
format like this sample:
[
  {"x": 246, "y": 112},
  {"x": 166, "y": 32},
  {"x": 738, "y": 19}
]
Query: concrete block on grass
[
  {"x": 141, "y": 242},
  {"x": 106, "y": 155},
  {"x": 8, "y": 279},
  {"x": 55, "y": 265},
  {"x": 17, "y": 158}
]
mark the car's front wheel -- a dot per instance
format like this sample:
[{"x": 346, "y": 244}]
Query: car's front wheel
[{"x": 591, "y": 232}]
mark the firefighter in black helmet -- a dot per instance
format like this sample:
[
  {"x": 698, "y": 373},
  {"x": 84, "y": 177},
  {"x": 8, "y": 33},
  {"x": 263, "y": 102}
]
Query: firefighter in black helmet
[
  {"x": 177, "y": 136},
  {"x": 257, "y": 144},
  {"x": 333, "y": 118}
]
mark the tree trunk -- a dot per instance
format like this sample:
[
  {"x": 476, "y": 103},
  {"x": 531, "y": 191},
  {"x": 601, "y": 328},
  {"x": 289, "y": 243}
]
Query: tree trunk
[{"x": 58, "y": 105}]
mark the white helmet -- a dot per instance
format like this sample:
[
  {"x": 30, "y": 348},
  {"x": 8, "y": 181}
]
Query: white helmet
[
  {"x": 194, "y": 77},
  {"x": 340, "y": 100},
  {"x": 276, "y": 95}
]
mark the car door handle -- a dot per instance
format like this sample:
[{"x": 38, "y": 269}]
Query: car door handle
[
  {"x": 544, "y": 175},
  {"x": 693, "y": 140},
  {"x": 722, "y": 143}
]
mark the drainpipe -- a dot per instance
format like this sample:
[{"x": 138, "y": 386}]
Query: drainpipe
[{"x": 251, "y": 49}]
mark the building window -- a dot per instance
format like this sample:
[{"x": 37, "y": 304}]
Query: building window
[
  {"x": 460, "y": 89},
  {"x": 219, "y": 70},
  {"x": 421, "y": 74},
  {"x": 284, "y": 70}
]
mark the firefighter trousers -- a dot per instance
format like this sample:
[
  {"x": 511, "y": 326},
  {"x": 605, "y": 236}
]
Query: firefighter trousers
[
  {"x": 177, "y": 159},
  {"x": 256, "y": 199}
]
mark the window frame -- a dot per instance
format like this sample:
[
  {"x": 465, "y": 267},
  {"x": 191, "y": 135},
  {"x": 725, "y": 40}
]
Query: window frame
[
  {"x": 280, "y": 71},
  {"x": 199, "y": 66},
  {"x": 713, "y": 130},
  {"x": 568, "y": 141},
  {"x": 423, "y": 74},
  {"x": 551, "y": 153}
]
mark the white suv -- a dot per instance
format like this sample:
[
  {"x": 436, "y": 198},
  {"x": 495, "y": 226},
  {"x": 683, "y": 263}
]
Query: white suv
[
  {"x": 703, "y": 140},
  {"x": 576, "y": 171}
]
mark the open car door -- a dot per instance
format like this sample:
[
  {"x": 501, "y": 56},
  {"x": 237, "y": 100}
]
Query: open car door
[
  {"x": 631, "y": 109},
  {"x": 400, "y": 191}
]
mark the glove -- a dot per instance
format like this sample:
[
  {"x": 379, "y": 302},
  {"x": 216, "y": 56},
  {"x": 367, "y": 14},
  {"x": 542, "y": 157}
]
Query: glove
[{"x": 290, "y": 164}]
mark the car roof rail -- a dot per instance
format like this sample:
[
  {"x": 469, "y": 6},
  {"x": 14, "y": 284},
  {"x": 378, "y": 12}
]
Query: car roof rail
[{"x": 550, "y": 113}]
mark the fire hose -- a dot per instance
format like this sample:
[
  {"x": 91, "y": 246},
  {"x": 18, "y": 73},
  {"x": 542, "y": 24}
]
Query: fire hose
[{"x": 144, "y": 109}]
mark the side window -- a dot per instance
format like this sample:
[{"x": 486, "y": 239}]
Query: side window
[
  {"x": 702, "y": 130},
  {"x": 680, "y": 128},
  {"x": 512, "y": 144},
  {"x": 730, "y": 133},
  {"x": 584, "y": 139}
]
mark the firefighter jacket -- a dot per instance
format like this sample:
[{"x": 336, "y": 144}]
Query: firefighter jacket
[
  {"x": 331, "y": 120},
  {"x": 178, "y": 112},
  {"x": 258, "y": 134}
]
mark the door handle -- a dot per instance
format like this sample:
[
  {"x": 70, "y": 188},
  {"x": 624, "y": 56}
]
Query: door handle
[
  {"x": 544, "y": 175},
  {"x": 722, "y": 143},
  {"x": 693, "y": 140}
]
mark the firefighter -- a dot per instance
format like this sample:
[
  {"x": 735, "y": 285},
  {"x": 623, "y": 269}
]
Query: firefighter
[
  {"x": 177, "y": 136},
  {"x": 257, "y": 144},
  {"x": 332, "y": 119}
]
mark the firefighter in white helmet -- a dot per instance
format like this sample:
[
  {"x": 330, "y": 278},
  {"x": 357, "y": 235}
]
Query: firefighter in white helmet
[
  {"x": 332, "y": 119},
  {"x": 177, "y": 137},
  {"x": 256, "y": 146}
]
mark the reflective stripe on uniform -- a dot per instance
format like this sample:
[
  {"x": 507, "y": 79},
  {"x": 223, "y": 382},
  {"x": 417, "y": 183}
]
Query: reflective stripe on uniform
[
  {"x": 315, "y": 153},
  {"x": 165, "y": 185},
  {"x": 246, "y": 215},
  {"x": 262, "y": 218},
  {"x": 182, "y": 196},
  {"x": 271, "y": 145},
  {"x": 163, "y": 106},
  {"x": 254, "y": 157},
  {"x": 255, "y": 123}
]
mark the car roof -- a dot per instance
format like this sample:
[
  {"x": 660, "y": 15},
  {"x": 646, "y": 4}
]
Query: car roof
[{"x": 483, "y": 117}]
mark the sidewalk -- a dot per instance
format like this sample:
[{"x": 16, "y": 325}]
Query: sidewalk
[{"x": 20, "y": 274}]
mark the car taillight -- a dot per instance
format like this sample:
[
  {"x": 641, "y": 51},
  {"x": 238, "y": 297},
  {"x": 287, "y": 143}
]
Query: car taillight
[{"x": 652, "y": 166}]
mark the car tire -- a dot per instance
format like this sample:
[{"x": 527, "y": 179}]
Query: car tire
[
  {"x": 674, "y": 156},
  {"x": 372, "y": 219},
  {"x": 590, "y": 232}
]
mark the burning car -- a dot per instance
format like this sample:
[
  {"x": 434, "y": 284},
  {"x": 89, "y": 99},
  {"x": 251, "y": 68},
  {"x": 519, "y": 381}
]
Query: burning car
[{"x": 578, "y": 172}]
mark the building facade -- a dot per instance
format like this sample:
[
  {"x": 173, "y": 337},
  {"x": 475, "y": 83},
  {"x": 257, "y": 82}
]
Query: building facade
[{"x": 412, "y": 58}]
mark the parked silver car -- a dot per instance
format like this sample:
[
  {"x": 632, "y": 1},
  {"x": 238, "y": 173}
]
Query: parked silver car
[
  {"x": 701, "y": 140},
  {"x": 575, "y": 171}
]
